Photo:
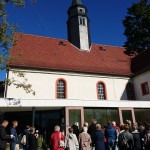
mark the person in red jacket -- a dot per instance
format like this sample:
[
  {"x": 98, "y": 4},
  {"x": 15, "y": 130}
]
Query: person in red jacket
[
  {"x": 56, "y": 138},
  {"x": 115, "y": 126}
]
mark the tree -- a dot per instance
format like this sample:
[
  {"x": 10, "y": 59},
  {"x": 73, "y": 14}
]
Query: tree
[
  {"x": 137, "y": 28},
  {"x": 7, "y": 41}
]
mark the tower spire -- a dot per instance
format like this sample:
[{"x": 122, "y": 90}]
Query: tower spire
[
  {"x": 74, "y": 2},
  {"x": 78, "y": 26}
]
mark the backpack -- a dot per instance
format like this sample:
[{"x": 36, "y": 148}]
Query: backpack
[
  {"x": 122, "y": 141},
  {"x": 147, "y": 139}
]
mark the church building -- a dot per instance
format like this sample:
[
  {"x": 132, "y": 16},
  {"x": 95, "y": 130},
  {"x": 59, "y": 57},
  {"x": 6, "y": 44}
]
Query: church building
[{"x": 75, "y": 80}]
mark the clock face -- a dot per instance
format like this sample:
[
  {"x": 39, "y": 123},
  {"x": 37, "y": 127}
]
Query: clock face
[{"x": 81, "y": 10}]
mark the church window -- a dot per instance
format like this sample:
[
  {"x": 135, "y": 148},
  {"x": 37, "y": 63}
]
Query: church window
[
  {"x": 61, "y": 88},
  {"x": 101, "y": 91},
  {"x": 145, "y": 88},
  {"x": 130, "y": 91}
]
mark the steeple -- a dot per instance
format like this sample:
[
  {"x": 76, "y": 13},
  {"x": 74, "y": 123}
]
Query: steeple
[
  {"x": 78, "y": 26},
  {"x": 74, "y": 2}
]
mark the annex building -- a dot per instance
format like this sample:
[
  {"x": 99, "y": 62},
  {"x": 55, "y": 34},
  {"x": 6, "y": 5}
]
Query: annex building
[{"x": 75, "y": 80}]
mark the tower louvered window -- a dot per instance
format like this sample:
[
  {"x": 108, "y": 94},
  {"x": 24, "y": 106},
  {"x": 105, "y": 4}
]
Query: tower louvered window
[
  {"x": 82, "y": 21},
  {"x": 101, "y": 91}
]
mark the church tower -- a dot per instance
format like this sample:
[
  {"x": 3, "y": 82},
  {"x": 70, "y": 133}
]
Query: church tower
[{"x": 78, "y": 26}]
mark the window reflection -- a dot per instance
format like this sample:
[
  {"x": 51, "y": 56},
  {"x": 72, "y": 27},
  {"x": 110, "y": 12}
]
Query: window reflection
[
  {"x": 74, "y": 116},
  {"x": 142, "y": 115},
  {"x": 102, "y": 115}
]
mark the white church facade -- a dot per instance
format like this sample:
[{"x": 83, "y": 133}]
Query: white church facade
[{"x": 75, "y": 80}]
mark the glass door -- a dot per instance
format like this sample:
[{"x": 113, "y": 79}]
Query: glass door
[
  {"x": 74, "y": 114},
  {"x": 126, "y": 114}
]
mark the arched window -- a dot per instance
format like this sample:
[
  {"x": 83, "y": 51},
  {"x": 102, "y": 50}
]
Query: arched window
[
  {"x": 61, "y": 88},
  {"x": 130, "y": 91},
  {"x": 101, "y": 93}
]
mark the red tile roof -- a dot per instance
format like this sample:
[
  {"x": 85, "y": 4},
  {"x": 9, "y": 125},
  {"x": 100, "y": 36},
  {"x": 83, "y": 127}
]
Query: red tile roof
[{"x": 55, "y": 54}]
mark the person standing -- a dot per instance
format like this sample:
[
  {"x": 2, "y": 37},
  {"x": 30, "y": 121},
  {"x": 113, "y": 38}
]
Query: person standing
[
  {"x": 55, "y": 138},
  {"x": 75, "y": 127},
  {"x": 32, "y": 140},
  {"x": 13, "y": 133},
  {"x": 125, "y": 139},
  {"x": 111, "y": 136},
  {"x": 99, "y": 138},
  {"x": 137, "y": 138},
  {"x": 26, "y": 133},
  {"x": 92, "y": 130},
  {"x": 147, "y": 137},
  {"x": 115, "y": 126},
  {"x": 3, "y": 135},
  {"x": 71, "y": 141},
  {"x": 84, "y": 140}
]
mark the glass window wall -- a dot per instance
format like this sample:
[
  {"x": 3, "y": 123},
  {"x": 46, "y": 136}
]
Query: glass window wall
[
  {"x": 74, "y": 116},
  {"x": 102, "y": 115},
  {"x": 142, "y": 115}
]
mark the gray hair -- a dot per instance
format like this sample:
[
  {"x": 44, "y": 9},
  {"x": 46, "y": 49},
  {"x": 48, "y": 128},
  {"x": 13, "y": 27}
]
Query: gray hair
[
  {"x": 98, "y": 127},
  {"x": 85, "y": 129},
  {"x": 113, "y": 123},
  {"x": 77, "y": 124},
  {"x": 57, "y": 128}
]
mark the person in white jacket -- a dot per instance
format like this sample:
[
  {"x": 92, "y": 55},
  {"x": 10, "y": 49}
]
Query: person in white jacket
[{"x": 71, "y": 142}]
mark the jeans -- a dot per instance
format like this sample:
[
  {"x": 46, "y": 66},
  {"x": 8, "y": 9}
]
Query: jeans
[
  {"x": 12, "y": 145},
  {"x": 111, "y": 144}
]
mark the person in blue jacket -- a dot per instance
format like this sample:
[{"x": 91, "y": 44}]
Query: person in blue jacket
[
  {"x": 111, "y": 136},
  {"x": 13, "y": 133},
  {"x": 99, "y": 138}
]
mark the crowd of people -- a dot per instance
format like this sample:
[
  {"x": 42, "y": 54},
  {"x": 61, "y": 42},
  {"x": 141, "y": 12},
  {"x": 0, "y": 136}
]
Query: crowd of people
[
  {"x": 96, "y": 137},
  {"x": 110, "y": 137},
  {"x": 29, "y": 138}
]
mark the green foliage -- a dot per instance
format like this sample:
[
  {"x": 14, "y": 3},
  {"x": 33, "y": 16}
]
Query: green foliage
[
  {"x": 7, "y": 41},
  {"x": 41, "y": 143},
  {"x": 137, "y": 28}
]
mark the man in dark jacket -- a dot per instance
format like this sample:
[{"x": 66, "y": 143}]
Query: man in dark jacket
[
  {"x": 14, "y": 134},
  {"x": 75, "y": 127},
  {"x": 92, "y": 130},
  {"x": 111, "y": 136},
  {"x": 3, "y": 135}
]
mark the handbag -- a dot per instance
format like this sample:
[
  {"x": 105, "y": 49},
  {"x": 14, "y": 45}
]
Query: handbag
[
  {"x": 23, "y": 140},
  {"x": 61, "y": 143}
]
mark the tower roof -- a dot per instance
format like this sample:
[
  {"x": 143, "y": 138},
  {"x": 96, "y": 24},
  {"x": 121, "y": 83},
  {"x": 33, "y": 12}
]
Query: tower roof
[{"x": 74, "y": 2}]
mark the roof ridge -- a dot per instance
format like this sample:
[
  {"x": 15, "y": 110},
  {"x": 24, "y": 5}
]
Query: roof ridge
[
  {"x": 41, "y": 36},
  {"x": 108, "y": 45},
  {"x": 65, "y": 39}
]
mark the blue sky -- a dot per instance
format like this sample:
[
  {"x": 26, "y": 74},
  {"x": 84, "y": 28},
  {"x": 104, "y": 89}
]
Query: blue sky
[{"x": 48, "y": 18}]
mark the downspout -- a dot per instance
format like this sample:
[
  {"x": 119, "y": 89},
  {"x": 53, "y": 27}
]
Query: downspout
[{"x": 6, "y": 85}]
